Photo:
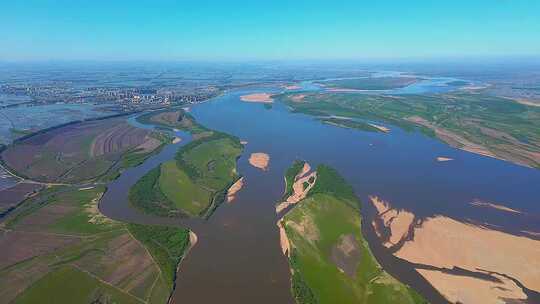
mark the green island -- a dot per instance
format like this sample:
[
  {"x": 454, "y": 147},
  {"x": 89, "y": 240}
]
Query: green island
[
  {"x": 58, "y": 248},
  {"x": 479, "y": 123},
  {"x": 369, "y": 83},
  {"x": 194, "y": 183},
  {"x": 176, "y": 119},
  {"x": 330, "y": 260}
]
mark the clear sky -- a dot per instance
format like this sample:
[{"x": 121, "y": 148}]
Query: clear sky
[{"x": 272, "y": 29}]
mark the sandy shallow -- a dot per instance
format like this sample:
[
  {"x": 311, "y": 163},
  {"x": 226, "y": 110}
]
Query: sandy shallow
[
  {"x": 176, "y": 140},
  {"x": 259, "y": 160},
  {"x": 258, "y": 97},
  {"x": 231, "y": 193},
  {"x": 283, "y": 239},
  {"x": 445, "y": 243}
]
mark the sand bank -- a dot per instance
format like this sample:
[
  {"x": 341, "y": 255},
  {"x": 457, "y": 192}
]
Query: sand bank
[
  {"x": 381, "y": 128},
  {"x": 445, "y": 243},
  {"x": 283, "y": 239},
  {"x": 476, "y": 291},
  {"x": 443, "y": 159},
  {"x": 259, "y": 160},
  {"x": 231, "y": 193},
  {"x": 176, "y": 140},
  {"x": 243, "y": 142},
  {"x": 299, "y": 191},
  {"x": 258, "y": 97},
  {"x": 479, "y": 203},
  {"x": 397, "y": 222}
]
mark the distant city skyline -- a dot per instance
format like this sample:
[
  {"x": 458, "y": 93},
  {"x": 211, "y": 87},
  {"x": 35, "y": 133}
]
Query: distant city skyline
[{"x": 279, "y": 30}]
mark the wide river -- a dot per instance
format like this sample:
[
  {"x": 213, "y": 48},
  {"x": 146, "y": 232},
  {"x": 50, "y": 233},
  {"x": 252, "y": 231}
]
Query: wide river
[{"x": 238, "y": 258}]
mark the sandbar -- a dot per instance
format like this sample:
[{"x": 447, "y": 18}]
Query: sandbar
[
  {"x": 237, "y": 186},
  {"x": 379, "y": 127},
  {"x": 257, "y": 97},
  {"x": 292, "y": 87},
  {"x": 176, "y": 140},
  {"x": 299, "y": 192},
  {"x": 479, "y": 203},
  {"x": 259, "y": 160},
  {"x": 442, "y": 243},
  {"x": 444, "y": 159}
]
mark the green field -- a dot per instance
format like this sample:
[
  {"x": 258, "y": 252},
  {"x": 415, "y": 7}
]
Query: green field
[
  {"x": 370, "y": 83},
  {"x": 69, "y": 285},
  {"x": 83, "y": 255},
  {"x": 194, "y": 183},
  {"x": 330, "y": 260},
  {"x": 498, "y": 126}
]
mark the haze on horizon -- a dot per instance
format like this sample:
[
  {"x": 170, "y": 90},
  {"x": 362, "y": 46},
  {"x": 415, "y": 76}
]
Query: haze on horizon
[{"x": 240, "y": 30}]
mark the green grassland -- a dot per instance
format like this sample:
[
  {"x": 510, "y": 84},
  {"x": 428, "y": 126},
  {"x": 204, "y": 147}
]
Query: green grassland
[
  {"x": 330, "y": 260},
  {"x": 83, "y": 255},
  {"x": 193, "y": 184},
  {"x": 370, "y": 83},
  {"x": 507, "y": 129}
]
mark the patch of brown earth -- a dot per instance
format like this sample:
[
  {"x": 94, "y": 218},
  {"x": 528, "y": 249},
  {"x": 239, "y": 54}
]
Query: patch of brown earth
[
  {"x": 12, "y": 196},
  {"x": 237, "y": 186},
  {"x": 18, "y": 246},
  {"x": 259, "y": 160},
  {"x": 346, "y": 255},
  {"x": 150, "y": 144},
  {"x": 258, "y": 97}
]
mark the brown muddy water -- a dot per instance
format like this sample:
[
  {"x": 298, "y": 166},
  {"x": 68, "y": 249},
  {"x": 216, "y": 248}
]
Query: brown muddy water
[{"x": 238, "y": 258}]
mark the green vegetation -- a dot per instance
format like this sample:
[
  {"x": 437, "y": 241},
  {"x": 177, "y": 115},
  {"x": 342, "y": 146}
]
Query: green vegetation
[
  {"x": 290, "y": 175},
  {"x": 167, "y": 246},
  {"x": 474, "y": 122},
  {"x": 85, "y": 252},
  {"x": 330, "y": 260},
  {"x": 173, "y": 118},
  {"x": 68, "y": 285},
  {"x": 351, "y": 124},
  {"x": 195, "y": 183},
  {"x": 370, "y": 83}
]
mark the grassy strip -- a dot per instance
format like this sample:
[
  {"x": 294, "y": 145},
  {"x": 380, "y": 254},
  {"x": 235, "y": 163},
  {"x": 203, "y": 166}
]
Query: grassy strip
[
  {"x": 167, "y": 245},
  {"x": 351, "y": 124},
  {"x": 290, "y": 175}
]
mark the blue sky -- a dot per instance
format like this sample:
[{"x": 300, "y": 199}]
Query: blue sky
[{"x": 251, "y": 30}]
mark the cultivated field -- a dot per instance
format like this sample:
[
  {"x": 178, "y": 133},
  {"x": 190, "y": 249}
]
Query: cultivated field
[
  {"x": 78, "y": 152},
  {"x": 58, "y": 248}
]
